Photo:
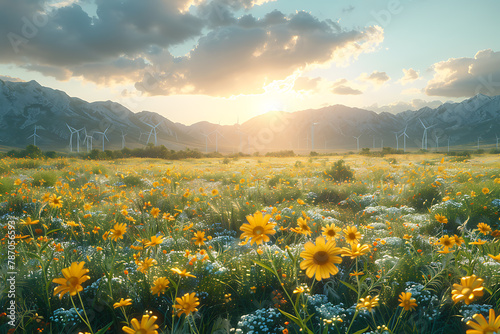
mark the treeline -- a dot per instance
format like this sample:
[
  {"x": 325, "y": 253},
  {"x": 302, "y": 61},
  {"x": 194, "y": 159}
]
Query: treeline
[{"x": 150, "y": 151}]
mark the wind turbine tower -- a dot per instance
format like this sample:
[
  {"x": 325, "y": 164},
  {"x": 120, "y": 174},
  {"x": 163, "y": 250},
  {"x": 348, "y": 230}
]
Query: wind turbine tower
[
  {"x": 312, "y": 135},
  {"x": 34, "y": 135}
]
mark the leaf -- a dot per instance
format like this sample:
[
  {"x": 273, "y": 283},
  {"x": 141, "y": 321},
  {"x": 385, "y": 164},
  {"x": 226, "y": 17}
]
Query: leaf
[
  {"x": 361, "y": 331},
  {"x": 53, "y": 231},
  {"x": 104, "y": 329},
  {"x": 264, "y": 266},
  {"x": 350, "y": 286},
  {"x": 291, "y": 317}
]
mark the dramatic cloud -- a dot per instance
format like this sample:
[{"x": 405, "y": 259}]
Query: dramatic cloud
[
  {"x": 376, "y": 78},
  {"x": 7, "y": 78},
  {"x": 130, "y": 41},
  {"x": 33, "y": 33},
  {"x": 244, "y": 57},
  {"x": 306, "y": 84},
  {"x": 400, "y": 106},
  {"x": 410, "y": 75},
  {"x": 465, "y": 77},
  {"x": 341, "y": 87}
]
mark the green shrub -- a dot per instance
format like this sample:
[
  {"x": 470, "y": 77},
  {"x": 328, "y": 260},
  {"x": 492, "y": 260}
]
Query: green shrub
[
  {"x": 339, "y": 172},
  {"x": 132, "y": 181},
  {"x": 44, "y": 178}
]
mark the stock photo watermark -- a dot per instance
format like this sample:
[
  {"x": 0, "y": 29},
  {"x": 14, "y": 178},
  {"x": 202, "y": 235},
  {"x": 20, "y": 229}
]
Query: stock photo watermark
[{"x": 11, "y": 274}]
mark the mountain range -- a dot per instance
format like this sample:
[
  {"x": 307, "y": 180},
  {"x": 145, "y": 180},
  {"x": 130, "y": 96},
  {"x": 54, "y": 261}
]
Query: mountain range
[{"x": 24, "y": 105}]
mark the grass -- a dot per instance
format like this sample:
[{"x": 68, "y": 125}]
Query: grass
[{"x": 392, "y": 203}]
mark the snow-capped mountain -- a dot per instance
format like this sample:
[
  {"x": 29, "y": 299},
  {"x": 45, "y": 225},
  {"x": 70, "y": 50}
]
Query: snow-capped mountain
[{"x": 26, "y": 104}]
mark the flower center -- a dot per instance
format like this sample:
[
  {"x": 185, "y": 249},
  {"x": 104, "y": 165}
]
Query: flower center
[
  {"x": 321, "y": 257},
  {"x": 466, "y": 291},
  {"x": 331, "y": 233},
  {"x": 73, "y": 281},
  {"x": 258, "y": 230},
  {"x": 352, "y": 236},
  {"x": 141, "y": 331}
]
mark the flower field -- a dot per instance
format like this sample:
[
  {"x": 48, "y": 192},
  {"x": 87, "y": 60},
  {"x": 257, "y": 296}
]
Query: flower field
[{"x": 402, "y": 244}]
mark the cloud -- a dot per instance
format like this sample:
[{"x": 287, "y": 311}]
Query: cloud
[
  {"x": 8, "y": 78},
  {"x": 341, "y": 87},
  {"x": 410, "y": 75},
  {"x": 348, "y": 9},
  {"x": 243, "y": 58},
  {"x": 465, "y": 77},
  {"x": 376, "y": 78},
  {"x": 400, "y": 106},
  {"x": 306, "y": 84},
  {"x": 129, "y": 41},
  {"x": 68, "y": 36}
]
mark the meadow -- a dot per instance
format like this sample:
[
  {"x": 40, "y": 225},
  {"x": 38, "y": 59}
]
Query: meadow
[{"x": 352, "y": 244}]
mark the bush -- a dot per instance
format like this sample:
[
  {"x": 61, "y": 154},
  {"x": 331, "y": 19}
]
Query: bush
[
  {"x": 424, "y": 196},
  {"x": 339, "y": 172},
  {"x": 45, "y": 179}
]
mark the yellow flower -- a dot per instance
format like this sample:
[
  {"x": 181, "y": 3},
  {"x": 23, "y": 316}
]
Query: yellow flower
[
  {"x": 74, "y": 276},
  {"x": 28, "y": 221},
  {"x": 122, "y": 303},
  {"x": 87, "y": 206},
  {"x": 482, "y": 326},
  {"x": 155, "y": 212},
  {"x": 187, "y": 304},
  {"x": 55, "y": 201},
  {"x": 440, "y": 218},
  {"x": 478, "y": 242},
  {"x": 496, "y": 258},
  {"x": 352, "y": 235},
  {"x": 470, "y": 288},
  {"x": 484, "y": 228},
  {"x": 182, "y": 273},
  {"x": 303, "y": 227},
  {"x": 161, "y": 284},
  {"x": 368, "y": 303},
  {"x": 143, "y": 266},
  {"x": 407, "y": 302},
  {"x": 320, "y": 258},
  {"x": 458, "y": 240},
  {"x": 446, "y": 242},
  {"x": 331, "y": 232},
  {"x": 147, "y": 326},
  {"x": 299, "y": 289},
  {"x": 300, "y": 202},
  {"x": 215, "y": 192},
  {"x": 118, "y": 231},
  {"x": 154, "y": 241},
  {"x": 257, "y": 229},
  {"x": 199, "y": 238},
  {"x": 485, "y": 191},
  {"x": 72, "y": 223},
  {"x": 356, "y": 250}
]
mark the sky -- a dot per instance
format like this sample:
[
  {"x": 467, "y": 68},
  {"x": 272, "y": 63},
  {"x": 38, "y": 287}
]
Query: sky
[{"x": 226, "y": 61}]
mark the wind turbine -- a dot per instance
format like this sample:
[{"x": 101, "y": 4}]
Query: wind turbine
[
  {"x": 72, "y": 130},
  {"x": 153, "y": 130},
  {"x": 34, "y": 135},
  {"x": 497, "y": 140},
  {"x": 357, "y": 140},
  {"x": 424, "y": 137},
  {"x": 448, "y": 143},
  {"x": 312, "y": 135},
  {"x": 206, "y": 141},
  {"x": 88, "y": 139},
  {"x": 217, "y": 133},
  {"x": 78, "y": 138},
  {"x": 103, "y": 136},
  {"x": 404, "y": 138},
  {"x": 123, "y": 140},
  {"x": 397, "y": 140},
  {"x": 437, "y": 141}
]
